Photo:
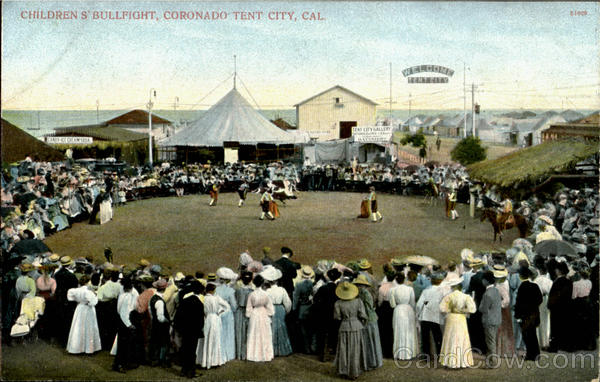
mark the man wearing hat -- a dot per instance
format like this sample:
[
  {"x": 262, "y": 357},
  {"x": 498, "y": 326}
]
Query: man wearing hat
[
  {"x": 189, "y": 322},
  {"x": 429, "y": 315},
  {"x": 490, "y": 308},
  {"x": 527, "y": 312},
  {"x": 326, "y": 328},
  {"x": 372, "y": 204},
  {"x": 560, "y": 305},
  {"x": 265, "y": 200},
  {"x": 65, "y": 280},
  {"x": 476, "y": 289},
  {"x": 289, "y": 269},
  {"x": 159, "y": 333},
  {"x": 301, "y": 303}
]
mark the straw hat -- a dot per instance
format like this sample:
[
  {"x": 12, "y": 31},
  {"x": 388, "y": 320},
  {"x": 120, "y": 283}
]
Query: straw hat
[
  {"x": 26, "y": 267},
  {"x": 307, "y": 272},
  {"x": 346, "y": 291},
  {"x": 364, "y": 264},
  {"x": 54, "y": 258},
  {"x": 66, "y": 261},
  {"x": 500, "y": 271},
  {"x": 362, "y": 280},
  {"x": 179, "y": 276},
  {"x": 477, "y": 262},
  {"x": 454, "y": 281},
  {"x": 211, "y": 277},
  {"x": 144, "y": 263}
]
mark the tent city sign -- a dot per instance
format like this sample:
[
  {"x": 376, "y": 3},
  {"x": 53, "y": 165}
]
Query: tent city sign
[
  {"x": 69, "y": 140},
  {"x": 372, "y": 134},
  {"x": 428, "y": 69}
]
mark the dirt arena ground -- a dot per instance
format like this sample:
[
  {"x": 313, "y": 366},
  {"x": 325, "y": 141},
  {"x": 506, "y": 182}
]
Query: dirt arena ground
[{"x": 185, "y": 234}]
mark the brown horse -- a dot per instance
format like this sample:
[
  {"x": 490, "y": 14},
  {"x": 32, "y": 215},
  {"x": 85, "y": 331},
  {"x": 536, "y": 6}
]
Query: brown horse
[{"x": 519, "y": 221}]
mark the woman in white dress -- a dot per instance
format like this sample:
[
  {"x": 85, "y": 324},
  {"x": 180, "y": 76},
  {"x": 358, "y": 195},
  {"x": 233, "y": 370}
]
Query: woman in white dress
[
  {"x": 545, "y": 284},
  {"x": 214, "y": 307},
  {"x": 402, "y": 299},
  {"x": 84, "y": 336},
  {"x": 259, "y": 310},
  {"x": 456, "y": 345}
]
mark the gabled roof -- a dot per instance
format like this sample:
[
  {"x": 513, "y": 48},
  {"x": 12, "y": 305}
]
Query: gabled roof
[
  {"x": 17, "y": 144},
  {"x": 336, "y": 87},
  {"x": 101, "y": 131},
  {"x": 232, "y": 119},
  {"x": 136, "y": 117}
]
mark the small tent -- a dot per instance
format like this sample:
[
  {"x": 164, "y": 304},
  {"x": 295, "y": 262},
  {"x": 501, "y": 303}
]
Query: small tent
[{"x": 17, "y": 145}]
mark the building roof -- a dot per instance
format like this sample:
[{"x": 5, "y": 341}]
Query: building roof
[
  {"x": 232, "y": 119},
  {"x": 17, "y": 144},
  {"x": 532, "y": 164},
  {"x": 100, "y": 132},
  {"x": 336, "y": 87},
  {"x": 136, "y": 117}
]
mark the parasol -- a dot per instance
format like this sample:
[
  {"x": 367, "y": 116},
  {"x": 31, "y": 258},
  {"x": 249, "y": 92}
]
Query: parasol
[
  {"x": 415, "y": 259},
  {"x": 555, "y": 247}
]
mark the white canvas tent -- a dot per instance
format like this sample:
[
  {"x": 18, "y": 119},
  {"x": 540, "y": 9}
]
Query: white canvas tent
[{"x": 232, "y": 119}]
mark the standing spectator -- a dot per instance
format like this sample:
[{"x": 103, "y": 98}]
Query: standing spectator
[
  {"x": 491, "y": 312},
  {"x": 301, "y": 303},
  {"x": 326, "y": 327},
  {"x": 288, "y": 268},
  {"x": 429, "y": 315},
  {"x": 456, "y": 344},
  {"x": 351, "y": 356},
  {"x": 259, "y": 309},
  {"x": 527, "y": 312},
  {"x": 241, "y": 321},
  {"x": 84, "y": 336},
  {"x": 385, "y": 312},
  {"x": 159, "y": 333},
  {"x": 227, "y": 293},
  {"x": 559, "y": 304},
  {"x": 214, "y": 307},
  {"x": 370, "y": 331},
  {"x": 402, "y": 299},
  {"x": 65, "y": 280},
  {"x": 189, "y": 322},
  {"x": 543, "y": 281},
  {"x": 505, "y": 344},
  {"x": 126, "y": 304},
  {"x": 281, "y": 305}
]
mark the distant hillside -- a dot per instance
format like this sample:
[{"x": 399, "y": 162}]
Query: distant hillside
[
  {"x": 571, "y": 115},
  {"x": 519, "y": 114}
]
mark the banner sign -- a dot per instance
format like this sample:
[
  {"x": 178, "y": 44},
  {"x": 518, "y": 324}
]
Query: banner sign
[
  {"x": 427, "y": 80},
  {"x": 372, "y": 134},
  {"x": 69, "y": 140},
  {"x": 428, "y": 68}
]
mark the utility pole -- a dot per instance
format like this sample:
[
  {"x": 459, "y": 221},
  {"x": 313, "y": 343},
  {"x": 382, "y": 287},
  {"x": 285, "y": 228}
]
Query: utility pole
[
  {"x": 38, "y": 113},
  {"x": 465, "y": 99},
  {"x": 390, "y": 94},
  {"x": 473, "y": 108},
  {"x": 97, "y": 111},
  {"x": 234, "y": 70},
  {"x": 175, "y": 104},
  {"x": 150, "y": 104}
]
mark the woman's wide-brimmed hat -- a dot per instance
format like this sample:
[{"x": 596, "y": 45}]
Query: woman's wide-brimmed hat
[
  {"x": 346, "y": 291},
  {"x": 364, "y": 264},
  {"x": 160, "y": 284},
  {"x": 362, "y": 280},
  {"x": 454, "y": 281},
  {"x": 226, "y": 273}
]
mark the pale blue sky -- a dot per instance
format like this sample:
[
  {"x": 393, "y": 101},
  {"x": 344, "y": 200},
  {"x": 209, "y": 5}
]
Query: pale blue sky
[{"x": 532, "y": 55}]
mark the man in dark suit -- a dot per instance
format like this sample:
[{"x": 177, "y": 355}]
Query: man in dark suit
[
  {"x": 477, "y": 289},
  {"x": 559, "y": 304},
  {"x": 189, "y": 321},
  {"x": 65, "y": 280},
  {"x": 491, "y": 311},
  {"x": 326, "y": 327},
  {"x": 288, "y": 268},
  {"x": 527, "y": 312}
]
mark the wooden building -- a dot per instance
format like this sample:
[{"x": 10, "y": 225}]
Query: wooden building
[{"x": 333, "y": 113}]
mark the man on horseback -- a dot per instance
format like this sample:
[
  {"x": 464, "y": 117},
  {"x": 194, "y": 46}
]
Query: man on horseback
[{"x": 505, "y": 213}]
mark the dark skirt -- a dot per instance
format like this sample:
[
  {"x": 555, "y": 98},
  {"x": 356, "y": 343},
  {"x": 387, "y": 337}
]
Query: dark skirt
[
  {"x": 385, "y": 314},
  {"x": 281, "y": 340}
]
